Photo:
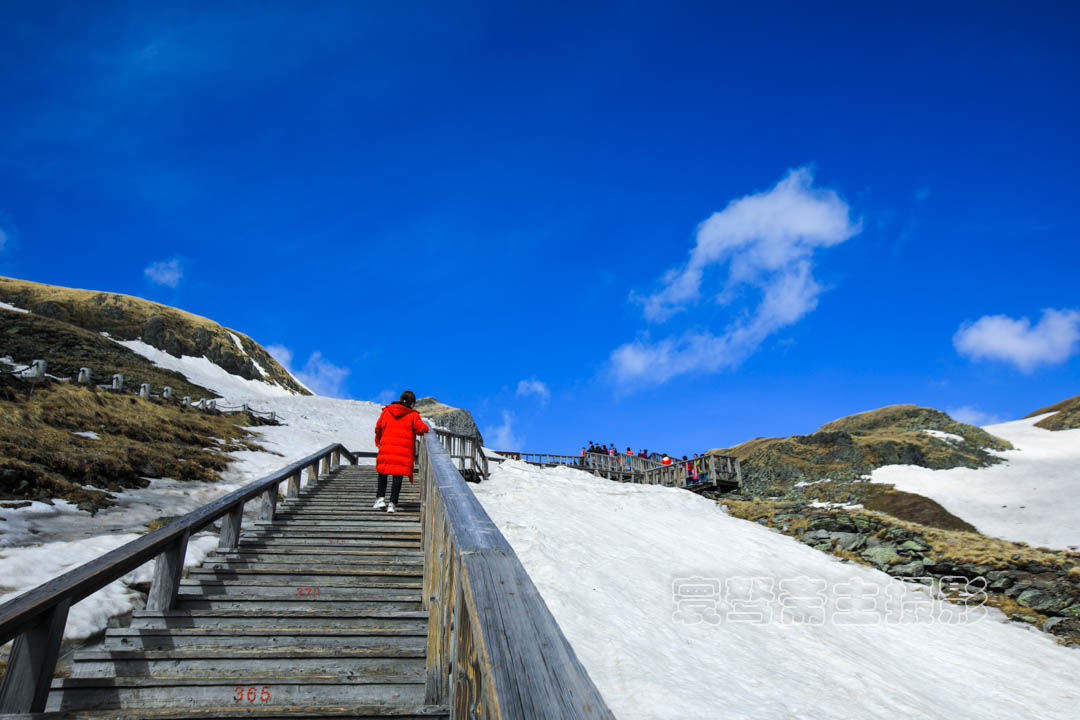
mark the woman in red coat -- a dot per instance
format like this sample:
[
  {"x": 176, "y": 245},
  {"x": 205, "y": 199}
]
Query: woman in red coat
[{"x": 395, "y": 437}]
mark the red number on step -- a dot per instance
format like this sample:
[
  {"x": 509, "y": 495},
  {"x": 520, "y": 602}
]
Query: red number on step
[
  {"x": 252, "y": 693},
  {"x": 265, "y": 693},
  {"x": 239, "y": 690},
  {"x": 299, "y": 591}
]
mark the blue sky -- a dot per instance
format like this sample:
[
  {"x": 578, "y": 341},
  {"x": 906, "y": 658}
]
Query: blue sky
[{"x": 663, "y": 225}]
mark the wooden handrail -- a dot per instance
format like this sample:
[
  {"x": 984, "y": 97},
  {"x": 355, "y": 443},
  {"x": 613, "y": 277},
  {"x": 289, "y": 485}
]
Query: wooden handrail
[
  {"x": 494, "y": 649},
  {"x": 36, "y": 618}
]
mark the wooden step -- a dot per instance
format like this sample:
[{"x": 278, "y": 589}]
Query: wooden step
[
  {"x": 169, "y": 693},
  {"x": 315, "y": 618}
]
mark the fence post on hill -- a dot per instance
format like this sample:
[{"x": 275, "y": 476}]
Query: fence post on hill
[
  {"x": 168, "y": 569},
  {"x": 37, "y": 369},
  {"x": 166, "y": 392},
  {"x": 186, "y": 401},
  {"x": 84, "y": 376},
  {"x": 144, "y": 390},
  {"x": 118, "y": 382}
]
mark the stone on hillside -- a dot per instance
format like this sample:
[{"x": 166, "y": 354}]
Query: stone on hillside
[
  {"x": 880, "y": 556},
  {"x": 456, "y": 420},
  {"x": 849, "y": 541},
  {"x": 911, "y": 569},
  {"x": 1043, "y": 600},
  {"x": 833, "y": 523},
  {"x": 914, "y": 546}
]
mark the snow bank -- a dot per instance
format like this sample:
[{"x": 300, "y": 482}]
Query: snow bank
[
  {"x": 606, "y": 556},
  {"x": 203, "y": 372},
  {"x": 6, "y": 306},
  {"x": 1033, "y": 497}
]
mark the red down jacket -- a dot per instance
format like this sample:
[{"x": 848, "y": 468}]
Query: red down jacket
[{"x": 395, "y": 436}]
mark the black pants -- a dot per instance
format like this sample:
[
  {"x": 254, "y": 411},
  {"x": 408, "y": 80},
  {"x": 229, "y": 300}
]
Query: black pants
[{"x": 381, "y": 490}]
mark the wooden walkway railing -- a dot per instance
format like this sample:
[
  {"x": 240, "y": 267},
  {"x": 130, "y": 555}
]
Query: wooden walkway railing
[
  {"x": 713, "y": 471},
  {"x": 494, "y": 649},
  {"x": 36, "y": 618}
]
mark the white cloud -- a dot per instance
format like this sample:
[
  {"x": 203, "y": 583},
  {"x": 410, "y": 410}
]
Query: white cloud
[
  {"x": 1017, "y": 342},
  {"x": 386, "y": 397},
  {"x": 973, "y": 416},
  {"x": 502, "y": 437},
  {"x": 3, "y": 238},
  {"x": 767, "y": 241},
  {"x": 166, "y": 272},
  {"x": 320, "y": 375},
  {"x": 532, "y": 386}
]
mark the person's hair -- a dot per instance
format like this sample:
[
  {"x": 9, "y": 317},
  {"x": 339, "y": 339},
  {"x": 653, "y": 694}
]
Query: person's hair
[{"x": 408, "y": 398}]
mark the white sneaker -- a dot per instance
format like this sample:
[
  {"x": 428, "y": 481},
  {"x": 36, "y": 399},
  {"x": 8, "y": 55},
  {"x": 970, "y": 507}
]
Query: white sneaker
[
  {"x": 379, "y": 504},
  {"x": 391, "y": 508}
]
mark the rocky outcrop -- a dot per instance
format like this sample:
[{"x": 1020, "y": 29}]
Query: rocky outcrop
[
  {"x": 455, "y": 420},
  {"x": 129, "y": 318},
  {"x": 1066, "y": 415},
  {"x": 852, "y": 447}
]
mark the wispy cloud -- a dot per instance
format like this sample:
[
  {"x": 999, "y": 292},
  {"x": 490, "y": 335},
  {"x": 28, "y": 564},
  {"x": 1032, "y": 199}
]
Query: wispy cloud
[
  {"x": 502, "y": 437},
  {"x": 165, "y": 272},
  {"x": 1052, "y": 341},
  {"x": 320, "y": 375},
  {"x": 973, "y": 416},
  {"x": 532, "y": 386},
  {"x": 3, "y": 238},
  {"x": 767, "y": 241}
]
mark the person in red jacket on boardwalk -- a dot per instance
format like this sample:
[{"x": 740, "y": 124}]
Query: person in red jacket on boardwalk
[{"x": 395, "y": 437}]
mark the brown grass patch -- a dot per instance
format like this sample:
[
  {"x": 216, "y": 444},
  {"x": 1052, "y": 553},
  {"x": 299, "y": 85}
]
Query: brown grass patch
[{"x": 41, "y": 457}]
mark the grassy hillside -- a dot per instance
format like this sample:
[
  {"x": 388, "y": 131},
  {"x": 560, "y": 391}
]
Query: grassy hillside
[
  {"x": 129, "y": 318},
  {"x": 851, "y": 447},
  {"x": 1066, "y": 415},
  {"x": 25, "y": 337},
  {"x": 42, "y": 457}
]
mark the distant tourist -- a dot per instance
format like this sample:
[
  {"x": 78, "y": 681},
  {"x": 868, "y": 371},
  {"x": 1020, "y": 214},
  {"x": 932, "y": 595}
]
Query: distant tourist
[{"x": 395, "y": 437}]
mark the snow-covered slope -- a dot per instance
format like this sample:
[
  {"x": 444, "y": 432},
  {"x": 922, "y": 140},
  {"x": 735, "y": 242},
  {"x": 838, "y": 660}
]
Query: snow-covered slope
[
  {"x": 1033, "y": 497},
  {"x": 605, "y": 557},
  {"x": 42, "y": 541},
  {"x": 201, "y": 371}
]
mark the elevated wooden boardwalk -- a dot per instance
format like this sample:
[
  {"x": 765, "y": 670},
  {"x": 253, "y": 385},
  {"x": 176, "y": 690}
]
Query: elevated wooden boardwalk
[
  {"x": 322, "y": 607},
  {"x": 316, "y": 611},
  {"x": 714, "y": 472}
]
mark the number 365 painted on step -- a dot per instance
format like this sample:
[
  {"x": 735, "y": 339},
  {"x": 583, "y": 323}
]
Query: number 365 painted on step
[{"x": 252, "y": 693}]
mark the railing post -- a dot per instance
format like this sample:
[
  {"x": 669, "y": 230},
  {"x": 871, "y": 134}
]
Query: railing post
[
  {"x": 229, "y": 539},
  {"x": 168, "y": 569},
  {"x": 293, "y": 489},
  {"x": 32, "y": 662},
  {"x": 313, "y": 473},
  {"x": 269, "y": 503}
]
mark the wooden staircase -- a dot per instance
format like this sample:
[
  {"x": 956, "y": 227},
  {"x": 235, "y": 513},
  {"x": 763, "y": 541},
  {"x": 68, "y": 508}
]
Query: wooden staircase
[{"x": 317, "y": 612}]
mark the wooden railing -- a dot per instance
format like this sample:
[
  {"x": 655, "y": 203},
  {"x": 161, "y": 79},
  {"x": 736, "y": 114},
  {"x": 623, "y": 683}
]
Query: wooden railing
[
  {"x": 467, "y": 453},
  {"x": 36, "y": 618},
  {"x": 711, "y": 470},
  {"x": 494, "y": 649}
]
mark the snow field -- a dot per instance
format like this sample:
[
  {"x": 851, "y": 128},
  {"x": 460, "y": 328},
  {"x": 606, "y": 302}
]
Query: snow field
[
  {"x": 1032, "y": 497},
  {"x": 605, "y": 556}
]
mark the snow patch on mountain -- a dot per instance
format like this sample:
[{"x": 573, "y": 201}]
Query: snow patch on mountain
[
  {"x": 1032, "y": 497},
  {"x": 203, "y": 372}
]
